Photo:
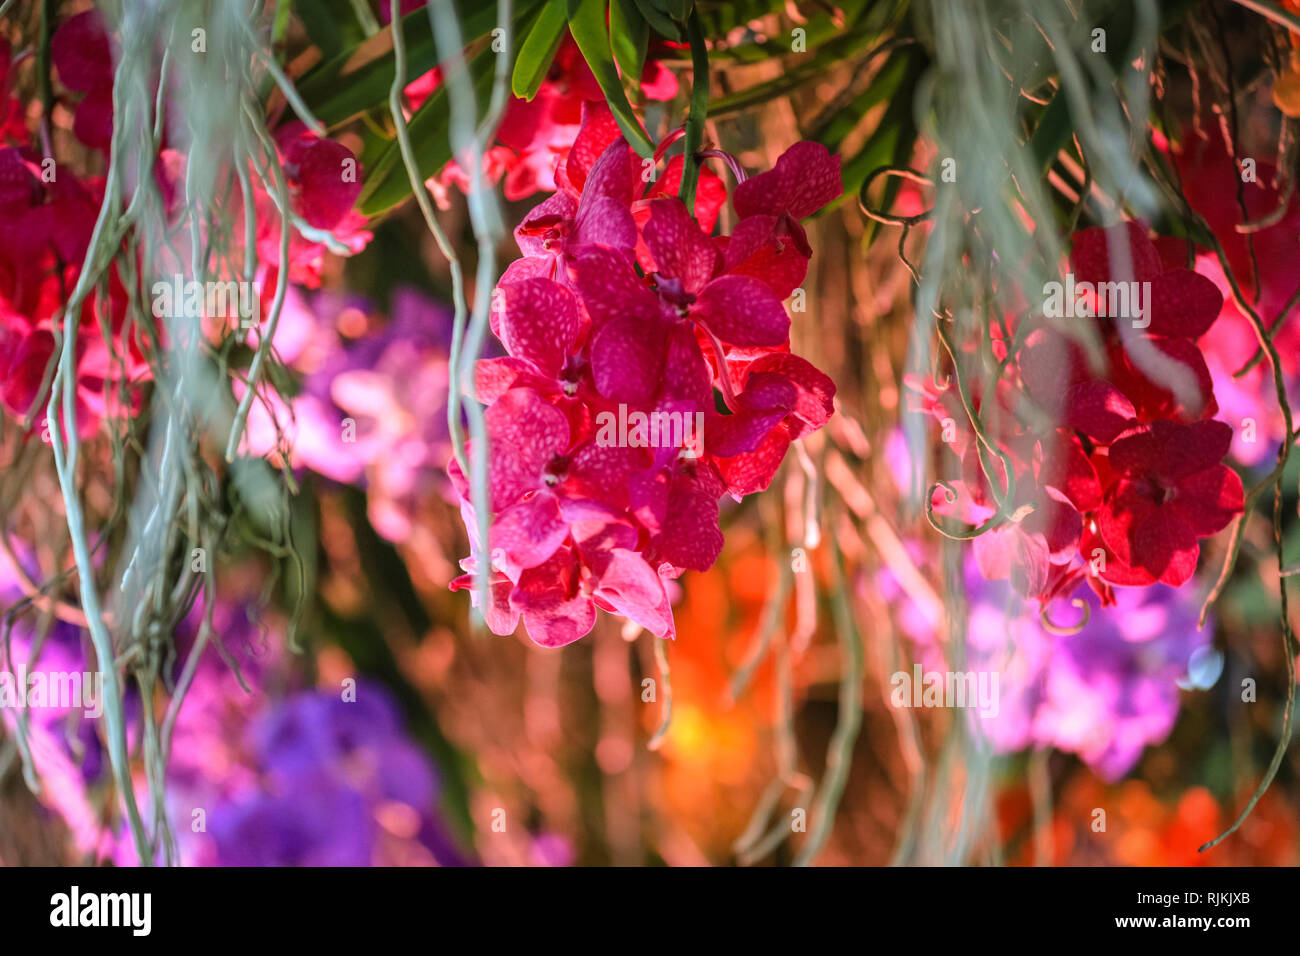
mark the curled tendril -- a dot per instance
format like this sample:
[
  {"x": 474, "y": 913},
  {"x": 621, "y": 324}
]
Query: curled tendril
[
  {"x": 1268, "y": 219},
  {"x": 1021, "y": 513},
  {"x": 963, "y": 534},
  {"x": 888, "y": 218},
  {"x": 986, "y": 448},
  {"x": 949, "y": 492},
  {"x": 1065, "y": 630}
]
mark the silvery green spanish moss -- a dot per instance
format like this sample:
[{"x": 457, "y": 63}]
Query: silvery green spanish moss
[
  {"x": 468, "y": 145},
  {"x": 210, "y": 96},
  {"x": 995, "y": 242}
]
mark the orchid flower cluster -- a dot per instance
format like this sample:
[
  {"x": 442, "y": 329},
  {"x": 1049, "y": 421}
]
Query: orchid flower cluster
[
  {"x": 1106, "y": 468},
  {"x": 48, "y": 215},
  {"x": 104, "y": 312},
  {"x": 535, "y": 134},
  {"x": 624, "y": 303},
  {"x": 1259, "y": 244}
]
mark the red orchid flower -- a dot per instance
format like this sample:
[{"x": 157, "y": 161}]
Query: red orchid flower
[
  {"x": 323, "y": 174},
  {"x": 1172, "y": 490},
  {"x": 627, "y": 301},
  {"x": 81, "y": 52},
  {"x": 600, "y": 215}
]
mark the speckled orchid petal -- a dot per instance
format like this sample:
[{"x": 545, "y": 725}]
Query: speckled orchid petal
[
  {"x": 686, "y": 373},
  {"x": 1067, "y": 469},
  {"x": 648, "y": 500},
  {"x": 815, "y": 392},
  {"x": 329, "y": 178},
  {"x": 599, "y": 130},
  {"x": 606, "y": 222},
  {"x": 1209, "y": 500},
  {"x": 1171, "y": 450},
  {"x": 1050, "y": 365},
  {"x": 526, "y": 432},
  {"x": 554, "y": 609},
  {"x": 539, "y": 322},
  {"x": 1144, "y": 535},
  {"x": 742, "y": 311},
  {"x": 753, "y": 471},
  {"x": 601, "y": 472},
  {"x": 81, "y": 52},
  {"x": 1183, "y": 304},
  {"x": 527, "y": 534},
  {"x": 710, "y": 193},
  {"x": 805, "y": 178},
  {"x": 615, "y": 175},
  {"x": 609, "y": 286},
  {"x": 1092, "y": 260},
  {"x": 1149, "y": 387},
  {"x": 1099, "y": 410},
  {"x": 627, "y": 359},
  {"x": 627, "y": 585},
  {"x": 678, "y": 248},
  {"x": 1009, "y": 553},
  {"x": 729, "y": 435},
  {"x": 501, "y": 618},
  {"x": 690, "y": 537},
  {"x": 92, "y": 123},
  {"x": 1172, "y": 491},
  {"x": 759, "y": 247},
  {"x": 550, "y": 218},
  {"x": 494, "y": 377}
]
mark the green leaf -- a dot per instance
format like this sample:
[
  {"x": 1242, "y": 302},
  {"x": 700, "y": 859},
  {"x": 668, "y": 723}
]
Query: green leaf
[
  {"x": 833, "y": 130},
  {"x": 893, "y": 140},
  {"x": 387, "y": 182},
  {"x": 661, "y": 22},
  {"x": 538, "y": 50},
  {"x": 842, "y": 45},
  {"x": 699, "y": 110},
  {"x": 721, "y": 19},
  {"x": 587, "y": 24},
  {"x": 329, "y": 24},
  {"x": 629, "y": 38},
  {"x": 359, "y": 78},
  {"x": 1055, "y": 124},
  {"x": 1054, "y": 129},
  {"x": 812, "y": 69},
  {"x": 678, "y": 10}
]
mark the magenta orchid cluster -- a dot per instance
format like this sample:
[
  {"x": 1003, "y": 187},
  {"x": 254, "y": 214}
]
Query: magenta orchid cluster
[
  {"x": 625, "y": 307},
  {"x": 48, "y": 216}
]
